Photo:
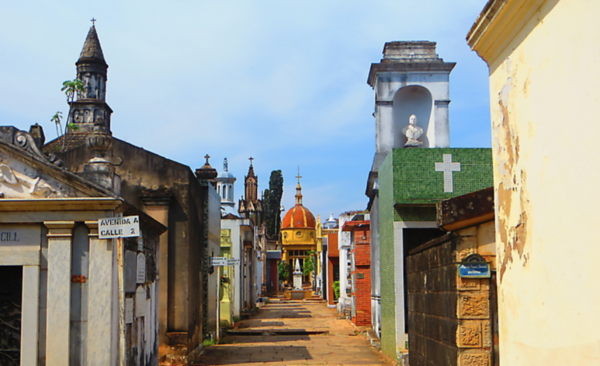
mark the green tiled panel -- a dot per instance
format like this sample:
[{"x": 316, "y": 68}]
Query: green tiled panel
[
  {"x": 417, "y": 182},
  {"x": 415, "y": 214},
  {"x": 407, "y": 178},
  {"x": 386, "y": 240}
]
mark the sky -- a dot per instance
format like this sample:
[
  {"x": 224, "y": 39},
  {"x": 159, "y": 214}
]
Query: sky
[{"x": 284, "y": 82}]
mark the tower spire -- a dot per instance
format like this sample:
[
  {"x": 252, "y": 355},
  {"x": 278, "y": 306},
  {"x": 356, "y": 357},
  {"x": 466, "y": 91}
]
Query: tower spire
[
  {"x": 298, "y": 189},
  {"x": 92, "y": 51},
  {"x": 251, "y": 184},
  {"x": 90, "y": 106}
]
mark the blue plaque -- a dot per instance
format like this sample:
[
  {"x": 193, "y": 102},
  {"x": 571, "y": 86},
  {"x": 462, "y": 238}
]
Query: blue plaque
[{"x": 474, "y": 270}]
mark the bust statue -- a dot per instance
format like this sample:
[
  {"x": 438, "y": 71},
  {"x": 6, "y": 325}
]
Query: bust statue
[{"x": 412, "y": 132}]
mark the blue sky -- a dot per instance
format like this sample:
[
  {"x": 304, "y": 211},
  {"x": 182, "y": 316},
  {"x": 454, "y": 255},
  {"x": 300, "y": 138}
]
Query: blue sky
[{"x": 281, "y": 81}]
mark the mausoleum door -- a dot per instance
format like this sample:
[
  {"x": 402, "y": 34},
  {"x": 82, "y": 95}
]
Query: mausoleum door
[{"x": 11, "y": 293}]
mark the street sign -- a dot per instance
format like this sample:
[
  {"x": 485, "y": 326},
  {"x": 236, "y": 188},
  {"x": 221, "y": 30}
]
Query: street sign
[
  {"x": 223, "y": 261},
  {"x": 474, "y": 270},
  {"x": 119, "y": 227},
  {"x": 233, "y": 262},
  {"x": 218, "y": 261}
]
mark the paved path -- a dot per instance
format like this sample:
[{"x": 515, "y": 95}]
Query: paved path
[{"x": 293, "y": 333}]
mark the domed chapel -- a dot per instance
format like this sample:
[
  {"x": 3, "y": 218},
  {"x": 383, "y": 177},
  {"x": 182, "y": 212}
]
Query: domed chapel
[{"x": 298, "y": 231}]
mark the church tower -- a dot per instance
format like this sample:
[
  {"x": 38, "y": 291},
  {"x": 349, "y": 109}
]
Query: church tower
[
  {"x": 251, "y": 184},
  {"x": 250, "y": 205},
  {"x": 411, "y": 79},
  {"x": 225, "y": 181},
  {"x": 90, "y": 105}
]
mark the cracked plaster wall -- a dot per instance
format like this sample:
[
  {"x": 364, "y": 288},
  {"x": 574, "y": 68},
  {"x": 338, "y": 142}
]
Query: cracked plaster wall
[{"x": 544, "y": 103}]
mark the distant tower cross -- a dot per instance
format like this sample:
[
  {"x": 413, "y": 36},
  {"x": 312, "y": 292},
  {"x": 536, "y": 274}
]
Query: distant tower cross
[
  {"x": 206, "y": 157},
  {"x": 298, "y": 176},
  {"x": 251, "y": 158},
  {"x": 447, "y": 166},
  {"x": 93, "y": 20}
]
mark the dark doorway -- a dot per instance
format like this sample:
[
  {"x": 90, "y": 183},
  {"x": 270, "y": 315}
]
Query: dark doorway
[
  {"x": 412, "y": 238},
  {"x": 11, "y": 293}
]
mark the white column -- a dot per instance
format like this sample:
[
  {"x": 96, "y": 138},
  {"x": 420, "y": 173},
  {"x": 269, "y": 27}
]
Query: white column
[
  {"x": 399, "y": 227},
  {"x": 59, "y": 292},
  {"x": 157, "y": 206},
  {"x": 384, "y": 126},
  {"x": 30, "y": 315},
  {"x": 442, "y": 124},
  {"x": 399, "y": 285},
  {"x": 99, "y": 295}
]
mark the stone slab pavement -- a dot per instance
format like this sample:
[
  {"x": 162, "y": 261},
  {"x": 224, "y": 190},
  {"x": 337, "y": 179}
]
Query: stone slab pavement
[{"x": 286, "y": 332}]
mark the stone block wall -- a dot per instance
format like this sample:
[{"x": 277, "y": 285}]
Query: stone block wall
[
  {"x": 362, "y": 276},
  {"x": 448, "y": 316}
]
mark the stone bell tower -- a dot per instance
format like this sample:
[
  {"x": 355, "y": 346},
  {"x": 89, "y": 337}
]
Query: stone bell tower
[
  {"x": 90, "y": 104},
  {"x": 411, "y": 79}
]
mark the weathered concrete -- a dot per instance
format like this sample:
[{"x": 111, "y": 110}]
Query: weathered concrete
[{"x": 294, "y": 333}]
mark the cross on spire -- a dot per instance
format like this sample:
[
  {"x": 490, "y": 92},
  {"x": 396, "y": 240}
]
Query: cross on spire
[
  {"x": 93, "y": 20},
  {"x": 298, "y": 189},
  {"x": 251, "y": 158},
  {"x": 206, "y": 157}
]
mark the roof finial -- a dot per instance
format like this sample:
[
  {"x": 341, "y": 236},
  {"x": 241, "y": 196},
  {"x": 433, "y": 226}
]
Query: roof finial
[
  {"x": 251, "y": 158},
  {"x": 225, "y": 165},
  {"x": 298, "y": 189},
  {"x": 207, "y": 157},
  {"x": 93, "y": 20}
]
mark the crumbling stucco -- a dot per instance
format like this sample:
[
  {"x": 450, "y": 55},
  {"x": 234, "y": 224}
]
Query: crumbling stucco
[{"x": 512, "y": 189}]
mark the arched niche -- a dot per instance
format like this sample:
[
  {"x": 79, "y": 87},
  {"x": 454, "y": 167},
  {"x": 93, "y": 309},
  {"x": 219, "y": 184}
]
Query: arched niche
[{"x": 411, "y": 99}]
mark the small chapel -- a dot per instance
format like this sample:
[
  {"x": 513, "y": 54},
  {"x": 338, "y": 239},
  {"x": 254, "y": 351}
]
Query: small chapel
[
  {"x": 298, "y": 234},
  {"x": 413, "y": 169}
]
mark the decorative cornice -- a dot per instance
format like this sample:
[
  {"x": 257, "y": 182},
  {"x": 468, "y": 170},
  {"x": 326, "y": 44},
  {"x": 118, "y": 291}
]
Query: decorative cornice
[
  {"x": 59, "y": 229},
  {"x": 498, "y": 24},
  {"x": 60, "y": 204},
  {"x": 466, "y": 210},
  {"x": 405, "y": 67}
]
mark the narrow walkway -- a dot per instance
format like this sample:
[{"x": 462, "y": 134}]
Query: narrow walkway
[{"x": 293, "y": 333}]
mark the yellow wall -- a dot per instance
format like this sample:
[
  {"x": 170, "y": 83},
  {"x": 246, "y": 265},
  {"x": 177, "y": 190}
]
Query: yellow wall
[
  {"x": 544, "y": 59},
  {"x": 298, "y": 236}
]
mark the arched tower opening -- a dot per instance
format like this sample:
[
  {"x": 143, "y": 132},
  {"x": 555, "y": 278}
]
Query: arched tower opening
[{"x": 409, "y": 100}]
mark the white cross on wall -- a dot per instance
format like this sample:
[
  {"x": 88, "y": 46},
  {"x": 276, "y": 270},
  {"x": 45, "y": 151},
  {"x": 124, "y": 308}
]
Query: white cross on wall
[{"x": 447, "y": 167}]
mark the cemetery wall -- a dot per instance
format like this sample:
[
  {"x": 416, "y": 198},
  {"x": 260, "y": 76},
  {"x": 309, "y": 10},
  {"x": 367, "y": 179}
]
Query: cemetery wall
[{"x": 449, "y": 317}]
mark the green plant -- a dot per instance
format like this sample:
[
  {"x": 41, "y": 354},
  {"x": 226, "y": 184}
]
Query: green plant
[
  {"x": 236, "y": 319},
  {"x": 57, "y": 118},
  {"x": 272, "y": 204},
  {"x": 283, "y": 270},
  {"x": 209, "y": 342},
  {"x": 309, "y": 263},
  {"x": 71, "y": 88},
  {"x": 336, "y": 290}
]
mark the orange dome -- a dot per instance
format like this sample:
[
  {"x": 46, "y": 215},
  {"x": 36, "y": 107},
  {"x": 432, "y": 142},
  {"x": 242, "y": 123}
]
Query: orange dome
[{"x": 298, "y": 217}]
